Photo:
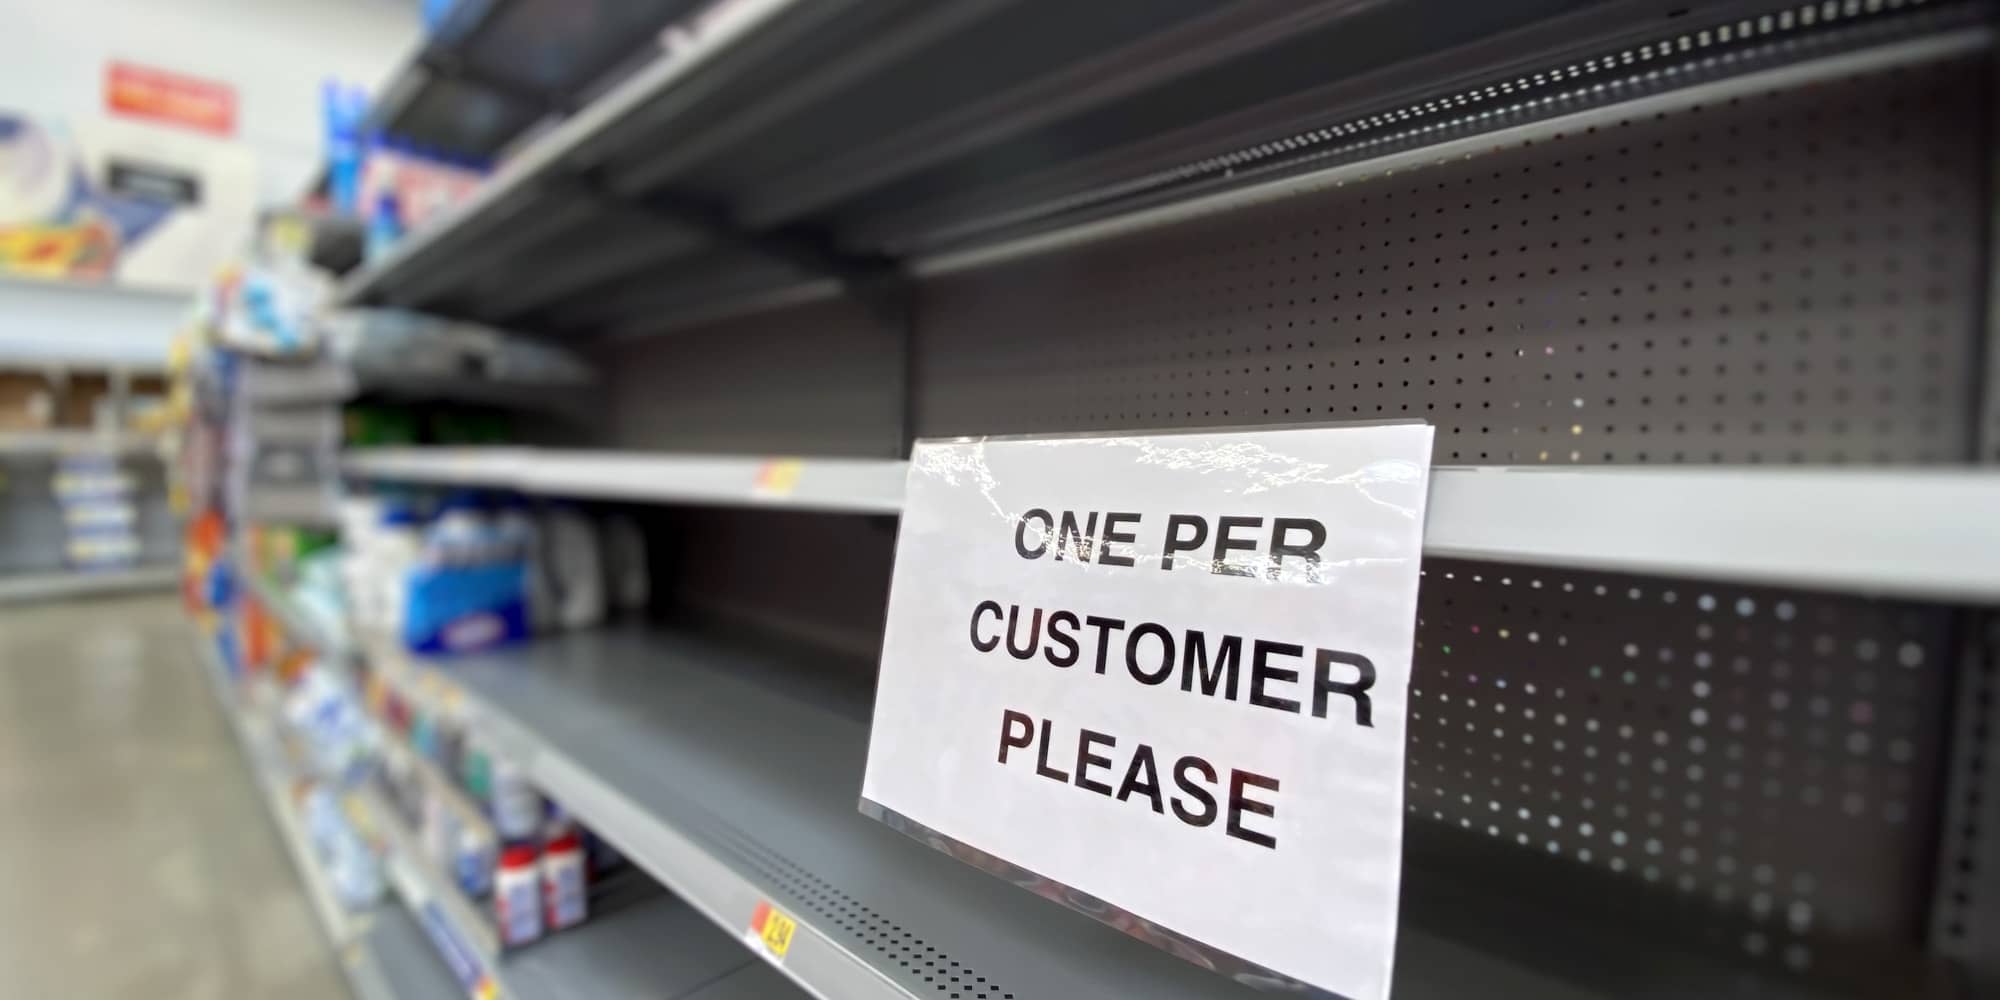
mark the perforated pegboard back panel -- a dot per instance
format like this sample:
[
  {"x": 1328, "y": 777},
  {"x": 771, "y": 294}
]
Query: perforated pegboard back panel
[
  {"x": 1966, "y": 919},
  {"x": 1790, "y": 275},
  {"x": 816, "y": 379},
  {"x": 1749, "y": 768}
]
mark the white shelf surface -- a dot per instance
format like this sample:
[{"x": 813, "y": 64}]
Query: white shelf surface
[
  {"x": 1912, "y": 533},
  {"x": 57, "y": 584},
  {"x": 844, "y": 485}
]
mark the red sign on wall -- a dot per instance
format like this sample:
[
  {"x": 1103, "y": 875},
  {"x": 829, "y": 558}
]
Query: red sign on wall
[{"x": 143, "y": 92}]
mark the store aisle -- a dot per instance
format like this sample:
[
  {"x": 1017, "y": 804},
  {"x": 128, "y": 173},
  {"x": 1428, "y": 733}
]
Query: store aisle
[{"x": 136, "y": 859}]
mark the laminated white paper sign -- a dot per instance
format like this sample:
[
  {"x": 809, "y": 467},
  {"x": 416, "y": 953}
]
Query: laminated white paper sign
[{"x": 1169, "y": 671}]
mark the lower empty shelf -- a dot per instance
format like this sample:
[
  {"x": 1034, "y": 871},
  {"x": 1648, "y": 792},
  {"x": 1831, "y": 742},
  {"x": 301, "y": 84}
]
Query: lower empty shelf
[{"x": 731, "y": 772}]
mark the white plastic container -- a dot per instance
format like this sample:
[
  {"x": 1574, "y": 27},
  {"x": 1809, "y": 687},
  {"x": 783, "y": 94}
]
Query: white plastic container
[
  {"x": 564, "y": 882},
  {"x": 474, "y": 864},
  {"x": 575, "y": 567},
  {"x": 517, "y": 807}
]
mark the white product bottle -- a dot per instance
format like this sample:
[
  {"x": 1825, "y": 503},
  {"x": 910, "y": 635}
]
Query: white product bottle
[
  {"x": 625, "y": 563},
  {"x": 575, "y": 566},
  {"x": 399, "y": 543},
  {"x": 517, "y": 807},
  {"x": 518, "y": 533},
  {"x": 563, "y": 882}
]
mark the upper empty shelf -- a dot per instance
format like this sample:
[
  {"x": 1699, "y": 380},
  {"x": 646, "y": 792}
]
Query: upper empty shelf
[
  {"x": 1916, "y": 533},
  {"x": 492, "y": 69},
  {"x": 783, "y": 146}
]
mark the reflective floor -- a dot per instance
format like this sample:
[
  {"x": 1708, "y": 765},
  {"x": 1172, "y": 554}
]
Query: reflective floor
[{"x": 136, "y": 859}]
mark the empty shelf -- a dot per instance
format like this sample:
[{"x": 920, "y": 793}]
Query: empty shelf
[{"x": 732, "y": 776}]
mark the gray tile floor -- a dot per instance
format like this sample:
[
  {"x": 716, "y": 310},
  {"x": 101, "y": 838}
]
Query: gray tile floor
[{"x": 136, "y": 859}]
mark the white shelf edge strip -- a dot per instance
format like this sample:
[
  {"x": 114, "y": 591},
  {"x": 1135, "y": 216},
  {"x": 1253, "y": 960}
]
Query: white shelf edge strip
[
  {"x": 856, "y": 485},
  {"x": 678, "y": 862},
  {"x": 1916, "y": 533}
]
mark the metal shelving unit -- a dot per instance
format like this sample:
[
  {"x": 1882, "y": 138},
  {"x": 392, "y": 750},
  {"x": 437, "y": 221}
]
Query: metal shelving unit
[
  {"x": 494, "y": 69},
  {"x": 1698, "y": 301},
  {"x": 794, "y": 149}
]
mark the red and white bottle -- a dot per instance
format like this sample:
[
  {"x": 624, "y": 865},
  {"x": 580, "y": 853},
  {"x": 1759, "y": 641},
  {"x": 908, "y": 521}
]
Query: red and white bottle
[
  {"x": 564, "y": 881},
  {"x": 517, "y": 897}
]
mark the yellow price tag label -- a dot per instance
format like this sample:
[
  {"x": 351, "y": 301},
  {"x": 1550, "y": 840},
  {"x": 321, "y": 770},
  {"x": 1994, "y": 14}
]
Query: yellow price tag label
[
  {"x": 773, "y": 928},
  {"x": 778, "y": 477}
]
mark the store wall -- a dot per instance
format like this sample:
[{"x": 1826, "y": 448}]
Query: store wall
[{"x": 274, "y": 53}]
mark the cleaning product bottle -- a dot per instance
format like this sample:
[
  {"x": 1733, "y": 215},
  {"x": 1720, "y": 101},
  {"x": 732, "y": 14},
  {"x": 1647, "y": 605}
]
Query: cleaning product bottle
[
  {"x": 517, "y": 806},
  {"x": 385, "y": 226},
  {"x": 563, "y": 880},
  {"x": 576, "y": 566},
  {"x": 517, "y": 904}
]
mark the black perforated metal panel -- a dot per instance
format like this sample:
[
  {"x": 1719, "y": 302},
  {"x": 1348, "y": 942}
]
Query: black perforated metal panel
[
  {"x": 819, "y": 379},
  {"x": 1752, "y": 765},
  {"x": 1791, "y": 275},
  {"x": 1966, "y": 922}
]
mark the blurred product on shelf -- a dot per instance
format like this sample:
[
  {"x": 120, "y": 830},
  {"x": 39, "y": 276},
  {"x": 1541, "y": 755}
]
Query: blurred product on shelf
[
  {"x": 517, "y": 808},
  {"x": 99, "y": 514},
  {"x": 468, "y": 570},
  {"x": 353, "y": 869},
  {"x": 563, "y": 875},
  {"x": 412, "y": 184},
  {"x": 385, "y": 226},
  {"x": 344, "y": 107},
  {"x": 265, "y": 307},
  {"x": 338, "y": 735},
  {"x": 517, "y": 903}
]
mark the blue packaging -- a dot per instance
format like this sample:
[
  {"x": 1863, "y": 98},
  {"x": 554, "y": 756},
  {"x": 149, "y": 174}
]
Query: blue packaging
[{"x": 469, "y": 590}]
